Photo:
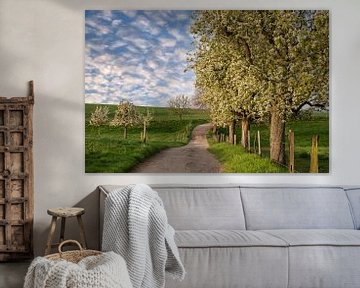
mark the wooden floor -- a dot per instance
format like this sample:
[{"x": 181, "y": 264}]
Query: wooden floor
[{"x": 12, "y": 274}]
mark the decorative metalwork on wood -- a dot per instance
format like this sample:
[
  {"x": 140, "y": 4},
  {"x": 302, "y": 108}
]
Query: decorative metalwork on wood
[{"x": 16, "y": 176}]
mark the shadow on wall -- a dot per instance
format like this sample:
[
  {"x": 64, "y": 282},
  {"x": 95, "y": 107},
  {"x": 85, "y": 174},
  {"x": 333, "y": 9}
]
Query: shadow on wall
[
  {"x": 56, "y": 151},
  {"x": 72, "y": 231},
  {"x": 30, "y": 52},
  {"x": 91, "y": 217}
]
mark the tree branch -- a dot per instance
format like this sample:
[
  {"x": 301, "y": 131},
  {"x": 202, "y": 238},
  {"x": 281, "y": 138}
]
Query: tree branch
[
  {"x": 319, "y": 105},
  {"x": 242, "y": 43}
]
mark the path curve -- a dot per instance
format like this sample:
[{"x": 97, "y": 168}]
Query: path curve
[{"x": 191, "y": 158}]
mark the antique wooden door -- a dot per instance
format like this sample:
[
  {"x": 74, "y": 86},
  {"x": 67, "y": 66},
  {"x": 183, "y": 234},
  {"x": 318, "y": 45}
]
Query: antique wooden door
[{"x": 16, "y": 177}]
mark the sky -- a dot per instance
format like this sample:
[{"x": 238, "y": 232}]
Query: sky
[{"x": 136, "y": 55}]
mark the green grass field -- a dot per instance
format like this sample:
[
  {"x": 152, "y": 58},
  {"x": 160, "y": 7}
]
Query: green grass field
[
  {"x": 303, "y": 131},
  {"x": 107, "y": 152},
  {"x": 235, "y": 159}
]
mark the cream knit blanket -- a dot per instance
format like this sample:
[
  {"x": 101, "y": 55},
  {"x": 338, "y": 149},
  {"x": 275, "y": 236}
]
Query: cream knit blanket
[
  {"x": 136, "y": 227},
  {"x": 103, "y": 271}
]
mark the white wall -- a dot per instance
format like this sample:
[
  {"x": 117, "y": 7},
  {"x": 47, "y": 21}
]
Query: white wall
[{"x": 43, "y": 40}]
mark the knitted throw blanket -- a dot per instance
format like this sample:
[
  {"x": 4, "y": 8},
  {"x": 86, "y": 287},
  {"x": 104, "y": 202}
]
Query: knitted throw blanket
[
  {"x": 136, "y": 227},
  {"x": 103, "y": 271}
]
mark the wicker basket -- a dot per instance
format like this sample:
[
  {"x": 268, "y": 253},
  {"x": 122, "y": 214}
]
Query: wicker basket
[{"x": 72, "y": 256}]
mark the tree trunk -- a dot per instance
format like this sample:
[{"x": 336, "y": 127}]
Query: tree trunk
[
  {"x": 214, "y": 128},
  {"x": 144, "y": 133},
  {"x": 231, "y": 131},
  {"x": 245, "y": 127},
  {"x": 277, "y": 138},
  {"x": 125, "y": 132}
]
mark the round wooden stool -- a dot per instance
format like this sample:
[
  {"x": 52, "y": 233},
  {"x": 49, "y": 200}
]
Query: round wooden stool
[{"x": 64, "y": 213}]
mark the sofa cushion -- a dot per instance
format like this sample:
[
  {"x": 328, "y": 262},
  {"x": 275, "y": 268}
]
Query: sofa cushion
[
  {"x": 198, "y": 206},
  {"x": 322, "y": 258},
  {"x": 315, "y": 237},
  {"x": 324, "y": 266},
  {"x": 226, "y": 238},
  {"x": 223, "y": 267},
  {"x": 204, "y": 208},
  {"x": 296, "y": 208}
]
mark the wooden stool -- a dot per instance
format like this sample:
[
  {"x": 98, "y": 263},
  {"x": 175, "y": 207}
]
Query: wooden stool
[{"x": 64, "y": 213}]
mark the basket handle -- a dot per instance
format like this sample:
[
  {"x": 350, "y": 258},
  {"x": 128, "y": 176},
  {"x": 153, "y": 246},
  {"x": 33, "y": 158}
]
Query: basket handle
[{"x": 69, "y": 241}]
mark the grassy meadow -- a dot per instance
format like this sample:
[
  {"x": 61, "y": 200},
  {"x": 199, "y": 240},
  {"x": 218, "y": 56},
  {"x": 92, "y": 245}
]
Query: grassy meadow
[
  {"x": 234, "y": 158},
  {"x": 107, "y": 152}
]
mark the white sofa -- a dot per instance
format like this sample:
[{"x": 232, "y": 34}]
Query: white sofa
[{"x": 253, "y": 236}]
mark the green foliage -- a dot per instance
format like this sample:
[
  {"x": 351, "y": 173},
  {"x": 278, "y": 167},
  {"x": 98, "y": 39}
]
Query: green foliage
[
  {"x": 252, "y": 62},
  {"x": 236, "y": 160},
  {"x": 105, "y": 152},
  {"x": 249, "y": 64}
]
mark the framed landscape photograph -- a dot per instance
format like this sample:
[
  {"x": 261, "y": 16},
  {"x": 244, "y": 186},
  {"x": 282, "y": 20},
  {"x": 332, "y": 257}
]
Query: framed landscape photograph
[{"x": 207, "y": 91}]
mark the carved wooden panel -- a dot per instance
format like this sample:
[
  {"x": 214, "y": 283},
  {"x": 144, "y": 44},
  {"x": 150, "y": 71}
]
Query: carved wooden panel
[{"x": 16, "y": 177}]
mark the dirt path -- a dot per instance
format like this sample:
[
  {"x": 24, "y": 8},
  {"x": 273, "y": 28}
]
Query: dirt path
[{"x": 192, "y": 158}]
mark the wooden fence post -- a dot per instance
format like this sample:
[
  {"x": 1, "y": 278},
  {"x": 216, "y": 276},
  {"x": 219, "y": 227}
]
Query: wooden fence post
[
  {"x": 215, "y": 138},
  {"x": 255, "y": 139},
  {"x": 259, "y": 142},
  {"x": 291, "y": 151},
  {"x": 314, "y": 160},
  {"x": 249, "y": 142},
  {"x": 234, "y": 139}
]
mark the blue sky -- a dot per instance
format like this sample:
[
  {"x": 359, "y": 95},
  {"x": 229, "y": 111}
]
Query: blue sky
[{"x": 137, "y": 55}]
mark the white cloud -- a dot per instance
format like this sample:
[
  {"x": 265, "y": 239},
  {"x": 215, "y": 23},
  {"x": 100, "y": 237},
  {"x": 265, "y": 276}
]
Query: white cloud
[
  {"x": 129, "y": 13},
  {"x": 132, "y": 49},
  {"x": 145, "y": 25},
  {"x": 182, "y": 16},
  {"x": 152, "y": 64},
  {"x": 105, "y": 15},
  {"x": 140, "y": 43},
  {"x": 116, "y": 22},
  {"x": 167, "y": 42},
  {"x": 160, "y": 55},
  {"x": 148, "y": 71},
  {"x": 159, "y": 18},
  {"x": 95, "y": 27},
  {"x": 180, "y": 54},
  {"x": 94, "y": 98},
  {"x": 176, "y": 34},
  {"x": 99, "y": 48},
  {"x": 117, "y": 44}
]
